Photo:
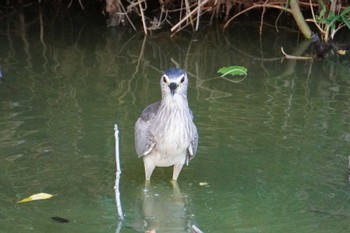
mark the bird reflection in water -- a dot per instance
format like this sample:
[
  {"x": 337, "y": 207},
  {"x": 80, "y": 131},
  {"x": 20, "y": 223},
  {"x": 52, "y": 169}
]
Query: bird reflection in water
[{"x": 164, "y": 208}]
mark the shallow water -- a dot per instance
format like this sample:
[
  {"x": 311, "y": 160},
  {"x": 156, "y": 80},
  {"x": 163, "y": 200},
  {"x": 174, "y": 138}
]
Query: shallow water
[{"x": 273, "y": 151}]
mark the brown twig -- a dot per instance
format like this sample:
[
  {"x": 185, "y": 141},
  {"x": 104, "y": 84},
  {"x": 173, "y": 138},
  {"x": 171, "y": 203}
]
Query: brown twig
[
  {"x": 176, "y": 26},
  {"x": 126, "y": 15},
  {"x": 256, "y": 6},
  {"x": 288, "y": 56},
  {"x": 262, "y": 18},
  {"x": 142, "y": 16}
]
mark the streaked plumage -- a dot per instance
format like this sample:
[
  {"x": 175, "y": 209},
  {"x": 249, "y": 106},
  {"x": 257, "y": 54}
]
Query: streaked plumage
[{"x": 165, "y": 134}]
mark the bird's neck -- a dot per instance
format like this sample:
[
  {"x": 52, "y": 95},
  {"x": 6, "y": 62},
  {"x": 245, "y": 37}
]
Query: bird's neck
[{"x": 175, "y": 101}]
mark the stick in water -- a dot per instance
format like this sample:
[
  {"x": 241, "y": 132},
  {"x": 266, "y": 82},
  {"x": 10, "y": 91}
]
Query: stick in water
[
  {"x": 195, "y": 229},
  {"x": 117, "y": 174},
  {"x": 349, "y": 168}
]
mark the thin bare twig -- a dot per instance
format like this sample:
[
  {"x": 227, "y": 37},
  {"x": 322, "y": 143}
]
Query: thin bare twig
[
  {"x": 314, "y": 18},
  {"x": 143, "y": 16},
  {"x": 188, "y": 16},
  {"x": 198, "y": 15},
  {"x": 288, "y": 56},
  {"x": 256, "y": 6},
  {"x": 117, "y": 174},
  {"x": 262, "y": 17},
  {"x": 81, "y": 5},
  {"x": 188, "y": 11},
  {"x": 126, "y": 15},
  {"x": 157, "y": 23}
]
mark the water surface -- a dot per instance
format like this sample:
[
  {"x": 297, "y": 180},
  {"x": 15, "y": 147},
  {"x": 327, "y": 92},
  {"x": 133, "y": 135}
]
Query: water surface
[{"x": 273, "y": 150}]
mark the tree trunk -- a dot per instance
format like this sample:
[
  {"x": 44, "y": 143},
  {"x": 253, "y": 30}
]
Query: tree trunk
[{"x": 299, "y": 18}]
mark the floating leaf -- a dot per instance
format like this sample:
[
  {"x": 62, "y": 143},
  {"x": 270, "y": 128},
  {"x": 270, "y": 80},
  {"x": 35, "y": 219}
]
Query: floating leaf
[
  {"x": 35, "y": 197},
  {"x": 204, "y": 183},
  {"x": 232, "y": 70}
]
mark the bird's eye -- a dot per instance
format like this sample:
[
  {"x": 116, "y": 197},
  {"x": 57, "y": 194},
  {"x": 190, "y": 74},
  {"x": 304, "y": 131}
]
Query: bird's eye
[
  {"x": 183, "y": 79},
  {"x": 164, "y": 79}
]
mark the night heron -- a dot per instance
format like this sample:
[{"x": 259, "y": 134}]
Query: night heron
[{"x": 165, "y": 134}]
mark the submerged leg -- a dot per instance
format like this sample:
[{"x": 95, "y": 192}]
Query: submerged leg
[
  {"x": 177, "y": 170},
  {"x": 149, "y": 167},
  {"x": 177, "y": 195}
]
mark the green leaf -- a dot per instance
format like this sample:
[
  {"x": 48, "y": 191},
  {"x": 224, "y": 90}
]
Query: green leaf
[
  {"x": 345, "y": 11},
  {"x": 332, "y": 19},
  {"x": 345, "y": 20},
  {"x": 232, "y": 70}
]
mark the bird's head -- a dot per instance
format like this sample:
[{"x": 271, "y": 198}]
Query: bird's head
[{"x": 174, "y": 82}]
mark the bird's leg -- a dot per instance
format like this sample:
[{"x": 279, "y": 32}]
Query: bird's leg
[
  {"x": 149, "y": 167},
  {"x": 177, "y": 195},
  {"x": 177, "y": 170},
  {"x": 147, "y": 184}
]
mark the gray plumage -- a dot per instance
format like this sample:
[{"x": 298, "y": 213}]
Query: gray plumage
[{"x": 165, "y": 134}]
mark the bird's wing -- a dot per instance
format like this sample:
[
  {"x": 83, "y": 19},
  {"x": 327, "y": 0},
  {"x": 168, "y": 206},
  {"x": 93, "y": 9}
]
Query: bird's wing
[
  {"x": 144, "y": 141},
  {"x": 192, "y": 149}
]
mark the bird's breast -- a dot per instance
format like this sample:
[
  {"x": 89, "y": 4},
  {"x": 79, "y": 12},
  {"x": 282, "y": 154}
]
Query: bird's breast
[{"x": 172, "y": 128}]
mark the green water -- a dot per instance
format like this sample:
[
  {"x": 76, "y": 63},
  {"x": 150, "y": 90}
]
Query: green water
[{"x": 273, "y": 149}]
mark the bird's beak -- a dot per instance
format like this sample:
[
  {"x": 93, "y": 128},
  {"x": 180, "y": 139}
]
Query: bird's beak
[{"x": 173, "y": 87}]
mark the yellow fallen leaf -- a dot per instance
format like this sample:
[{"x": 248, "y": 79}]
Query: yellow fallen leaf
[
  {"x": 35, "y": 197},
  {"x": 341, "y": 52},
  {"x": 203, "y": 183}
]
